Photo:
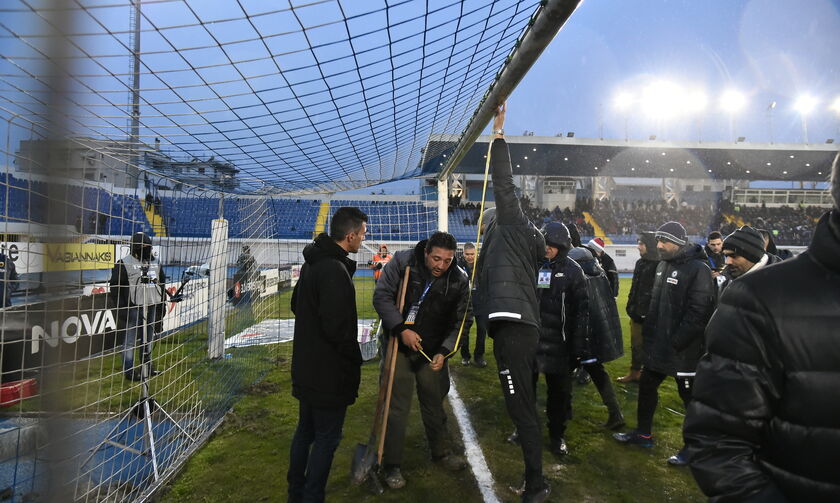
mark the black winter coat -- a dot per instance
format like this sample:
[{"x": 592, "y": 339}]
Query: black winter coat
[
  {"x": 512, "y": 252},
  {"x": 564, "y": 314},
  {"x": 641, "y": 287},
  {"x": 681, "y": 304},
  {"x": 326, "y": 360},
  {"x": 443, "y": 308},
  {"x": 764, "y": 421},
  {"x": 604, "y": 332}
]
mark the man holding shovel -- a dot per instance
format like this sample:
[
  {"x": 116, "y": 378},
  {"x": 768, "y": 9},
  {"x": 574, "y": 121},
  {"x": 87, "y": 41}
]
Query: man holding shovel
[{"x": 436, "y": 310}]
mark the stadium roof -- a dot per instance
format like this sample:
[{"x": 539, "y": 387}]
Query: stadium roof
[{"x": 562, "y": 156}]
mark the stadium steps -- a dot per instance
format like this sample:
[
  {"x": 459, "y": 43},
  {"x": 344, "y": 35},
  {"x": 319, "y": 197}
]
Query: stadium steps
[
  {"x": 599, "y": 232},
  {"x": 155, "y": 220},
  {"x": 321, "y": 221}
]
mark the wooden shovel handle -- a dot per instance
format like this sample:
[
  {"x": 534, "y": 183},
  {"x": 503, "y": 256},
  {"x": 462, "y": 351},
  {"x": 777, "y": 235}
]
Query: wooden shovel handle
[{"x": 392, "y": 365}]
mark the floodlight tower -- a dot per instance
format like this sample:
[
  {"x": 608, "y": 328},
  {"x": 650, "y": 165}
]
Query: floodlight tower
[
  {"x": 805, "y": 104},
  {"x": 732, "y": 102},
  {"x": 835, "y": 107},
  {"x": 134, "y": 134},
  {"x": 622, "y": 102}
]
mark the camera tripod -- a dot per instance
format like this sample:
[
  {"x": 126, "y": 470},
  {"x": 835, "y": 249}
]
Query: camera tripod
[{"x": 145, "y": 405}]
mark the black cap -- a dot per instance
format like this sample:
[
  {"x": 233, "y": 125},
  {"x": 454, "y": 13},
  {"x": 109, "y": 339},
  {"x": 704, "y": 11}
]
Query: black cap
[{"x": 745, "y": 242}]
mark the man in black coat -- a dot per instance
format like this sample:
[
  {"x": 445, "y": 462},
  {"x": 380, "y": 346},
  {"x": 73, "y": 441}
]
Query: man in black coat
[
  {"x": 564, "y": 315},
  {"x": 437, "y": 310},
  {"x": 326, "y": 360},
  {"x": 596, "y": 246},
  {"x": 9, "y": 280},
  {"x": 681, "y": 304},
  {"x": 764, "y": 424},
  {"x": 714, "y": 253},
  {"x": 604, "y": 337},
  {"x": 507, "y": 295},
  {"x": 638, "y": 301},
  {"x": 468, "y": 264}
]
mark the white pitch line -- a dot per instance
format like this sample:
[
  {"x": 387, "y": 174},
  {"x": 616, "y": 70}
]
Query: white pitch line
[{"x": 475, "y": 457}]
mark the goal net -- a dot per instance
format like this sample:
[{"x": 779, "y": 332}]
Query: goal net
[{"x": 227, "y": 133}]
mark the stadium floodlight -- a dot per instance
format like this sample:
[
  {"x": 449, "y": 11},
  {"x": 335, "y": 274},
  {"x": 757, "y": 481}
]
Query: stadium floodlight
[
  {"x": 732, "y": 101},
  {"x": 662, "y": 99},
  {"x": 623, "y": 101},
  {"x": 696, "y": 101},
  {"x": 805, "y": 104}
]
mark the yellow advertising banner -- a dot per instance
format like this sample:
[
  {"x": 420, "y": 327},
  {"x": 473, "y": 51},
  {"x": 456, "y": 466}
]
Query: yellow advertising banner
[{"x": 78, "y": 256}]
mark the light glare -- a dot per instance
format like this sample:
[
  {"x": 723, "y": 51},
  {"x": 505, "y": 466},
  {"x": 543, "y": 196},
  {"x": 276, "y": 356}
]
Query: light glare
[
  {"x": 805, "y": 104},
  {"x": 732, "y": 101}
]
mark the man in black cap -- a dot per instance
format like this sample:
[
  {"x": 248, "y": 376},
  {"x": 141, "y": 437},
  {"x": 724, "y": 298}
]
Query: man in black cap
[
  {"x": 744, "y": 252},
  {"x": 507, "y": 295},
  {"x": 138, "y": 285},
  {"x": 764, "y": 421},
  {"x": 681, "y": 304}
]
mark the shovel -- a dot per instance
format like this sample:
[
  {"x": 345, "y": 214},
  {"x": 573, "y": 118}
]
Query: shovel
[{"x": 367, "y": 456}]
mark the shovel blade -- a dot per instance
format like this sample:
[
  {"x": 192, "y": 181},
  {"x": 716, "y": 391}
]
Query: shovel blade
[{"x": 364, "y": 459}]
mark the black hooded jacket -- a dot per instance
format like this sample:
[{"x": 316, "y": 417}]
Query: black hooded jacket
[
  {"x": 764, "y": 421},
  {"x": 512, "y": 252},
  {"x": 681, "y": 304},
  {"x": 442, "y": 310},
  {"x": 641, "y": 287},
  {"x": 564, "y": 314},
  {"x": 326, "y": 360},
  {"x": 604, "y": 332}
]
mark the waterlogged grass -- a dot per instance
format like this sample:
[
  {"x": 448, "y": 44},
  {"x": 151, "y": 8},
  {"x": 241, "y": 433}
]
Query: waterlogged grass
[{"x": 247, "y": 458}]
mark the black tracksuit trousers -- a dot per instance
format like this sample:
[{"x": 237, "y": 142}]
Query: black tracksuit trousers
[
  {"x": 515, "y": 349},
  {"x": 649, "y": 396}
]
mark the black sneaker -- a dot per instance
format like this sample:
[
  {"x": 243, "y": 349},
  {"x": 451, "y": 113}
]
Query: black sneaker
[
  {"x": 634, "y": 438},
  {"x": 465, "y": 362},
  {"x": 480, "y": 363},
  {"x": 583, "y": 377},
  {"x": 537, "y": 496},
  {"x": 513, "y": 438},
  {"x": 558, "y": 447},
  {"x": 678, "y": 459}
]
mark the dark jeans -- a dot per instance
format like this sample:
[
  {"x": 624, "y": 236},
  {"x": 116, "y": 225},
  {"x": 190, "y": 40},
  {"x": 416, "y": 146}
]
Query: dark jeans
[
  {"x": 136, "y": 325},
  {"x": 480, "y": 336},
  {"x": 636, "y": 346},
  {"x": 558, "y": 403},
  {"x": 310, "y": 458},
  {"x": 515, "y": 349},
  {"x": 432, "y": 387},
  {"x": 649, "y": 396}
]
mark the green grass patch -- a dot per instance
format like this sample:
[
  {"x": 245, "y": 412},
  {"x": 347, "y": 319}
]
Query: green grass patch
[{"x": 247, "y": 458}]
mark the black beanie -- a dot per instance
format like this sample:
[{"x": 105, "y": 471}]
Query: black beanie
[
  {"x": 746, "y": 242},
  {"x": 673, "y": 232}
]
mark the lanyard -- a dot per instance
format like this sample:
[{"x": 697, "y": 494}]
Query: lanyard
[{"x": 423, "y": 296}]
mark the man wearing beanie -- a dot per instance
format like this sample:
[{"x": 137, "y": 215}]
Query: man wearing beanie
[
  {"x": 744, "y": 252},
  {"x": 596, "y": 246},
  {"x": 764, "y": 424},
  {"x": 507, "y": 295},
  {"x": 681, "y": 304},
  {"x": 638, "y": 301}
]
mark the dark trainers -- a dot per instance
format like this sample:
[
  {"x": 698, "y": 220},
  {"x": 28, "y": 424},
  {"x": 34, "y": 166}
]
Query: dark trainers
[
  {"x": 538, "y": 495},
  {"x": 634, "y": 438},
  {"x": 558, "y": 447},
  {"x": 678, "y": 459},
  {"x": 480, "y": 363},
  {"x": 394, "y": 478},
  {"x": 451, "y": 462},
  {"x": 465, "y": 362},
  {"x": 513, "y": 438},
  {"x": 615, "y": 421}
]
